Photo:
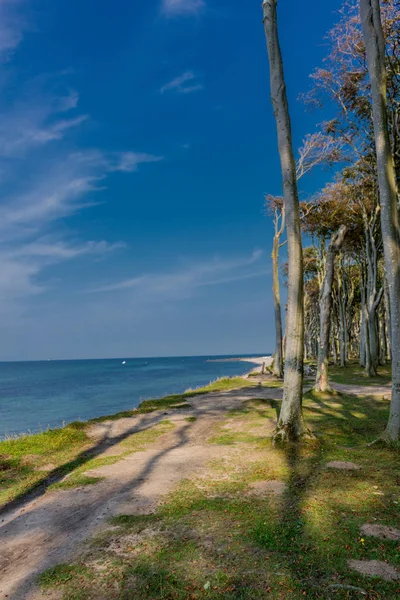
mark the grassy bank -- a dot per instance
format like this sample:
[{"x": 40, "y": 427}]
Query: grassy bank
[
  {"x": 226, "y": 535},
  {"x": 30, "y": 461}
]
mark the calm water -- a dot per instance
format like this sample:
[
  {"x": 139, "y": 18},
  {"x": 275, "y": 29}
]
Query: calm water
[{"x": 38, "y": 395}]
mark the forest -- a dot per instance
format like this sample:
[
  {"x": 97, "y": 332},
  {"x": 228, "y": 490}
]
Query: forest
[{"x": 343, "y": 244}]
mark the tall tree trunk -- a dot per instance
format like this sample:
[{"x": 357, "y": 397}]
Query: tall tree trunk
[
  {"x": 382, "y": 340},
  {"x": 362, "y": 335},
  {"x": 322, "y": 380},
  {"x": 290, "y": 424},
  {"x": 373, "y": 338},
  {"x": 278, "y": 357},
  {"x": 334, "y": 349},
  {"x": 375, "y": 47},
  {"x": 387, "y": 321},
  {"x": 343, "y": 333}
]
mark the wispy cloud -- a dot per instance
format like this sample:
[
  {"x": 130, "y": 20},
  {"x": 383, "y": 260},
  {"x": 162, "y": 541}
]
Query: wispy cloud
[
  {"x": 184, "y": 84},
  {"x": 55, "y": 184},
  {"x": 61, "y": 190},
  {"x": 36, "y": 118},
  {"x": 186, "y": 279},
  {"x": 21, "y": 266},
  {"x": 129, "y": 161},
  {"x": 172, "y": 8},
  {"x": 12, "y": 27}
]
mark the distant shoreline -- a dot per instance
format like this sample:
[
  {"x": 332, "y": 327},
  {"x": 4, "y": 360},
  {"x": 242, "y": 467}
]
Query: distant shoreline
[
  {"x": 255, "y": 359},
  {"x": 258, "y": 360}
]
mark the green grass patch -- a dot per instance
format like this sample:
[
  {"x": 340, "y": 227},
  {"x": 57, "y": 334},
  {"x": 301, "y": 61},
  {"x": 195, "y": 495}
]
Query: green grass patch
[
  {"x": 233, "y": 437},
  {"x": 75, "y": 480},
  {"x": 22, "y": 458},
  {"x": 353, "y": 374},
  {"x": 62, "y": 574}
]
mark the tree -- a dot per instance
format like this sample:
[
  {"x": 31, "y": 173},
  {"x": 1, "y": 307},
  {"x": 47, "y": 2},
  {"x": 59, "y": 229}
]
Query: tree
[
  {"x": 276, "y": 206},
  {"x": 322, "y": 380},
  {"x": 290, "y": 423},
  {"x": 375, "y": 50}
]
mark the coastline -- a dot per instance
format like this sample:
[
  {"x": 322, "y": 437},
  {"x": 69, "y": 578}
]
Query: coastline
[
  {"x": 50, "y": 394},
  {"x": 257, "y": 360},
  {"x": 261, "y": 361},
  {"x": 48, "y": 457}
]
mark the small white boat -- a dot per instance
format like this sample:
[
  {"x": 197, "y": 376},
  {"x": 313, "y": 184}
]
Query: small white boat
[{"x": 124, "y": 362}]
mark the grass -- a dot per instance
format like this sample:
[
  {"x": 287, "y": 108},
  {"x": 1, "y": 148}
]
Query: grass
[
  {"x": 22, "y": 459},
  {"x": 355, "y": 375},
  {"x": 212, "y": 539}
]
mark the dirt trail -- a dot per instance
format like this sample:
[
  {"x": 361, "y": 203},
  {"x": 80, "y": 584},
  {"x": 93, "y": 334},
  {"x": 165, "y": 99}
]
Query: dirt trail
[
  {"x": 49, "y": 529},
  {"x": 364, "y": 390}
]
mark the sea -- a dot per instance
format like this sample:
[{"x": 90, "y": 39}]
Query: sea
[{"x": 36, "y": 396}]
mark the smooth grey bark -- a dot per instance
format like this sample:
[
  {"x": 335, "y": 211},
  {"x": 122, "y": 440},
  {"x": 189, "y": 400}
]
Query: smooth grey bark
[
  {"x": 279, "y": 224},
  {"x": 362, "y": 335},
  {"x": 382, "y": 340},
  {"x": 343, "y": 333},
  {"x": 372, "y": 294},
  {"x": 326, "y": 301},
  {"x": 334, "y": 350},
  {"x": 375, "y": 48},
  {"x": 342, "y": 302},
  {"x": 387, "y": 321},
  {"x": 373, "y": 336},
  {"x": 290, "y": 424}
]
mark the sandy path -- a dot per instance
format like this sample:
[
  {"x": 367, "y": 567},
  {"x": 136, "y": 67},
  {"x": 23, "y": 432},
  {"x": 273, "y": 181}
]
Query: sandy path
[
  {"x": 49, "y": 529},
  {"x": 364, "y": 390}
]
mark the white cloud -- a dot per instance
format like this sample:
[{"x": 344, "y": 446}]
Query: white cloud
[
  {"x": 60, "y": 190},
  {"x": 21, "y": 266},
  {"x": 184, "y": 84},
  {"x": 12, "y": 28},
  {"x": 55, "y": 250},
  {"x": 173, "y": 8},
  {"x": 29, "y": 242},
  {"x": 130, "y": 161},
  {"x": 34, "y": 119},
  {"x": 185, "y": 280}
]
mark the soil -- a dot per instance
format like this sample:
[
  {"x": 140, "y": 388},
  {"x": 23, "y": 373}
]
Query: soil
[
  {"x": 259, "y": 488},
  {"x": 381, "y": 531},
  {"x": 341, "y": 464},
  {"x": 375, "y": 568}
]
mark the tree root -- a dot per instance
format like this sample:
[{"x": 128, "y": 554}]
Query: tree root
[
  {"x": 327, "y": 389},
  {"x": 339, "y": 586},
  {"x": 285, "y": 434},
  {"x": 385, "y": 442}
]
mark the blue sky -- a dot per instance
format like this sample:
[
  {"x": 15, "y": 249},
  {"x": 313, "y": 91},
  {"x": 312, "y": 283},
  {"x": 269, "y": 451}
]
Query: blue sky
[{"x": 137, "y": 143}]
